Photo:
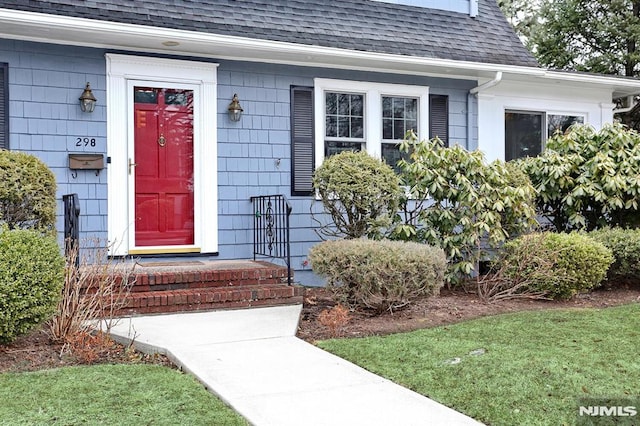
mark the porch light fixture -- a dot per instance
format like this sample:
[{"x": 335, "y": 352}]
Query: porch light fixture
[
  {"x": 235, "y": 110},
  {"x": 87, "y": 100}
]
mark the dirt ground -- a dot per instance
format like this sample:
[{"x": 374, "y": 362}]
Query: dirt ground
[
  {"x": 36, "y": 351},
  {"x": 448, "y": 308}
]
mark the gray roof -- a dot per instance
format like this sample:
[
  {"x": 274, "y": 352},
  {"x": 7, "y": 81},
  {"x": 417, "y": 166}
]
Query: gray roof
[{"x": 361, "y": 25}]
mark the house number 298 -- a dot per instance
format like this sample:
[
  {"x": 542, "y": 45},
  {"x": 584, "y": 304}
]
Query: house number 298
[{"x": 85, "y": 141}]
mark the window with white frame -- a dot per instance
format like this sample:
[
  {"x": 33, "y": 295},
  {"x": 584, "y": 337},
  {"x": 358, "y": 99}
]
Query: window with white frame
[
  {"x": 354, "y": 115},
  {"x": 526, "y": 132},
  {"x": 344, "y": 122},
  {"x": 399, "y": 115}
]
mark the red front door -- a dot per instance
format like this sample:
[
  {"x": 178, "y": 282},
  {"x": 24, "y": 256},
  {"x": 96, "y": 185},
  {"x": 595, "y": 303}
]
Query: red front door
[{"x": 163, "y": 167}]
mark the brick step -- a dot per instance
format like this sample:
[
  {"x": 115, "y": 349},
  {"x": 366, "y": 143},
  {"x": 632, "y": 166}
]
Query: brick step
[
  {"x": 214, "y": 274},
  {"x": 183, "y": 300}
]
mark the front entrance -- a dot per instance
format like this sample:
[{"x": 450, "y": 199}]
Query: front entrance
[
  {"x": 163, "y": 168},
  {"x": 162, "y": 155}
]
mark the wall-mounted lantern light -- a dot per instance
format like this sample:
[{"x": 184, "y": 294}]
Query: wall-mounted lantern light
[
  {"x": 87, "y": 100},
  {"x": 235, "y": 110}
]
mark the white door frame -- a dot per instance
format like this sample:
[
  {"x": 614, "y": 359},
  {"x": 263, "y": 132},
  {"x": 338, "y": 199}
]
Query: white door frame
[{"x": 123, "y": 72}]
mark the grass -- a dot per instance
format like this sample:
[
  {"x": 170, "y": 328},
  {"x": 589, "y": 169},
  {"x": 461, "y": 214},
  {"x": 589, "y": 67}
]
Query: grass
[
  {"x": 535, "y": 367},
  {"x": 110, "y": 395}
]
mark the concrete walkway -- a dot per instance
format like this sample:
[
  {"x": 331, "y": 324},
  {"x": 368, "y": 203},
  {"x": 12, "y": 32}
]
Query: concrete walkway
[{"x": 252, "y": 360}]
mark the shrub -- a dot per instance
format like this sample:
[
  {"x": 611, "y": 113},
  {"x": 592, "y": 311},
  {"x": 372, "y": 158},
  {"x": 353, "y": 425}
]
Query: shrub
[
  {"x": 625, "y": 245},
  {"x": 31, "y": 277},
  {"x": 27, "y": 192},
  {"x": 359, "y": 192},
  {"x": 379, "y": 275},
  {"x": 92, "y": 294},
  {"x": 578, "y": 263},
  {"x": 456, "y": 200},
  {"x": 588, "y": 179}
]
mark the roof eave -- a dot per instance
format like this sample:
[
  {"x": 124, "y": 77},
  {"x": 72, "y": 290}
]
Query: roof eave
[{"x": 66, "y": 30}]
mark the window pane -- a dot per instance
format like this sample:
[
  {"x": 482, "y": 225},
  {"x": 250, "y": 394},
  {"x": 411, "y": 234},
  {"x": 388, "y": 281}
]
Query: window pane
[
  {"x": 398, "y": 107},
  {"x": 391, "y": 155},
  {"x": 561, "y": 123},
  {"x": 399, "y": 115},
  {"x": 344, "y": 127},
  {"x": 357, "y": 127},
  {"x": 357, "y": 108},
  {"x": 331, "y": 101},
  {"x": 331, "y": 127},
  {"x": 145, "y": 95},
  {"x": 523, "y": 134},
  {"x": 343, "y": 104},
  {"x": 398, "y": 129},
  {"x": 387, "y": 128},
  {"x": 412, "y": 109},
  {"x": 387, "y": 107},
  {"x": 334, "y": 147}
]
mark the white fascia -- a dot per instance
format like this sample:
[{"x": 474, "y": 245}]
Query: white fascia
[{"x": 66, "y": 30}]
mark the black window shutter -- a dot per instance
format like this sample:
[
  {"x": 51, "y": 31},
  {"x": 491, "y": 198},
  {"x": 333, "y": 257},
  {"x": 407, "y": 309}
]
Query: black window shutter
[
  {"x": 439, "y": 117},
  {"x": 4, "y": 106},
  {"x": 302, "y": 141}
]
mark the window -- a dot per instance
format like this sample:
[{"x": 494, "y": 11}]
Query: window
[
  {"x": 560, "y": 123},
  {"x": 367, "y": 116},
  {"x": 344, "y": 122},
  {"x": 4, "y": 106},
  {"x": 526, "y": 132},
  {"x": 399, "y": 115},
  {"x": 341, "y": 114}
]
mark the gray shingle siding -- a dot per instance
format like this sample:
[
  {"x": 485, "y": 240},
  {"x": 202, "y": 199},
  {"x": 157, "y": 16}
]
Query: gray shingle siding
[{"x": 349, "y": 24}]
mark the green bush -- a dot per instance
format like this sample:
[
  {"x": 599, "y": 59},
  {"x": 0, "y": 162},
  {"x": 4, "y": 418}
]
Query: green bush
[
  {"x": 578, "y": 263},
  {"x": 625, "y": 245},
  {"x": 588, "y": 179},
  {"x": 456, "y": 200},
  {"x": 31, "y": 278},
  {"x": 27, "y": 192},
  {"x": 359, "y": 192},
  {"x": 379, "y": 275}
]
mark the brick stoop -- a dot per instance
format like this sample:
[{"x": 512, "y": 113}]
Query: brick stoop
[{"x": 163, "y": 287}]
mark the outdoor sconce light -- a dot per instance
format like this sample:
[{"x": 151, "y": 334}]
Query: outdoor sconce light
[
  {"x": 87, "y": 100},
  {"x": 235, "y": 110}
]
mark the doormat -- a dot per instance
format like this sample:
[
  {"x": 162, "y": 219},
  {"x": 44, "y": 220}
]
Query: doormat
[{"x": 176, "y": 263}]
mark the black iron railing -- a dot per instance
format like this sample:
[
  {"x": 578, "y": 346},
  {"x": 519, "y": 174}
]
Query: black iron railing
[
  {"x": 71, "y": 226},
  {"x": 271, "y": 229}
]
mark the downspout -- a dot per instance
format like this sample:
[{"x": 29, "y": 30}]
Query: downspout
[
  {"x": 497, "y": 79},
  {"x": 474, "y": 92},
  {"x": 626, "y": 109}
]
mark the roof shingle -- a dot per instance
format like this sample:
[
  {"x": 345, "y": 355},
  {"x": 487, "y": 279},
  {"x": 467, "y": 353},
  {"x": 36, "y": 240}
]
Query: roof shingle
[{"x": 361, "y": 25}]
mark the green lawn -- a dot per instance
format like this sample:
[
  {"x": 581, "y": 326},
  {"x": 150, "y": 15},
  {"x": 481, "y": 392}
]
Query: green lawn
[
  {"x": 110, "y": 395},
  {"x": 536, "y": 366}
]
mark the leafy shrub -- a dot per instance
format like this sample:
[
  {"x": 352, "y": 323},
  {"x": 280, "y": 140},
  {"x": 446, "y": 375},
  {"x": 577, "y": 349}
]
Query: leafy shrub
[
  {"x": 359, "y": 192},
  {"x": 625, "y": 245},
  {"x": 588, "y": 179},
  {"x": 31, "y": 277},
  {"x": 27, "y": 192},
  {"x": 578, "y": 263},
  {"x": 379, "y": 275},
  {"x": 455, "y": 200}
]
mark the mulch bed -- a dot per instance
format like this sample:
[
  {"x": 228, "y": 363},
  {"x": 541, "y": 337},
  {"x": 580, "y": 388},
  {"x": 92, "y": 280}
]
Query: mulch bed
[{"x": 36, "y": 351}]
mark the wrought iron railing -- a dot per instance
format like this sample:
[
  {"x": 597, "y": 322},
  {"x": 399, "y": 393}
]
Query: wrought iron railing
[
  {"x": 271, "y": 232},
  {"x": 71, "y": 225}
]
